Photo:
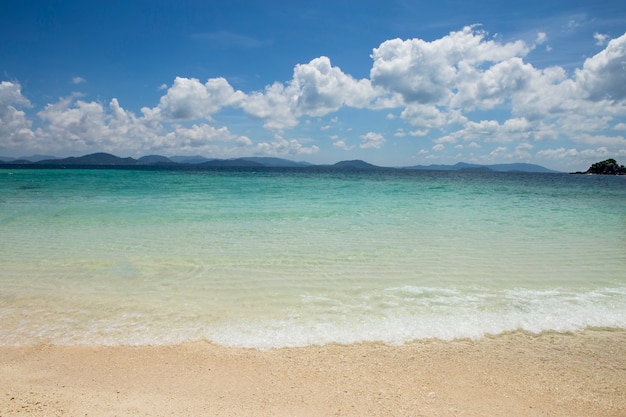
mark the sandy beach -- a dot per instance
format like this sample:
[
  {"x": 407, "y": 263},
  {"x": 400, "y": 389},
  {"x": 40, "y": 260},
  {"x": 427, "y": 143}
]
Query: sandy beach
[{"x": 582, "y": 374}]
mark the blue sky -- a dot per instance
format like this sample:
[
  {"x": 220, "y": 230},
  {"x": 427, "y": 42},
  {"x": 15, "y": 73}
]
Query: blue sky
[{"x": 395, "y": 83}]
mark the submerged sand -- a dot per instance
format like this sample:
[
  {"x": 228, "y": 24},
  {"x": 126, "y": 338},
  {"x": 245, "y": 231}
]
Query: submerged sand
[{"x": 582, "y": 374}]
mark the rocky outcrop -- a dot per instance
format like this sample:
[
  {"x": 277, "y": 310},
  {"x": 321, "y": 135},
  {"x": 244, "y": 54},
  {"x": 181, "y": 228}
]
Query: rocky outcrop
[{"x": 607, "y": 167}]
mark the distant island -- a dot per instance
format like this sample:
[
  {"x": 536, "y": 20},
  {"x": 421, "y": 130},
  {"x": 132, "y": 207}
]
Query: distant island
[
  {"x": 463, "y": 166},
  {"x": 606, "y": 167},
  {"x": 106, "y": 160}
]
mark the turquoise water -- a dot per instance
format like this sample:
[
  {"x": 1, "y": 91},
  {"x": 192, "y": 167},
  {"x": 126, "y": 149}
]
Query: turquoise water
[{"x": 272, "y": 258}]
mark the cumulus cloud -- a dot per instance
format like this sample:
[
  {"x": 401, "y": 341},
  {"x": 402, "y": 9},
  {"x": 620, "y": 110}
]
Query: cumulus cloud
[
  {"x": 603, "y": 76},
  {"x": 423, "y": 116},
  {"x": 500, "y": 150},
  {"x": 198, "y": 136},
  {"x": 558, "y": 153},
  {"x": 10, "y": 94},
  {"x": 74, "y": 125},
  {"x": 541, "y": 38},
  {"x": 316, "y": 89},
  {"x": 372, "y": 140},
  {"x": 491, "y": 87},
  {"x": 547, "y": 93},
  {"x": 511, "y": 130},
  {"x": 341, "y": 144},
  {"x": 600, "y": 38},
  {"x": 426, "y": 72},
  {"x": 464, "y": 71},
  {"x": 589, "y": 155},
  {"x": 322, "y": 88},
  {"x": 189, "y": 99},
  {"x": 618, "y": 142},
  {"x": 275, "y": 105},
  {"x": 71, "y": 124},
  {"x": 522, "y": 150},
  {"x": 284, "y": 147},
  {"x": 15, "y": 128}
]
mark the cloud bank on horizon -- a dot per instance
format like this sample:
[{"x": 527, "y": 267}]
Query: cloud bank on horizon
[{"x": 465, "y": 96}]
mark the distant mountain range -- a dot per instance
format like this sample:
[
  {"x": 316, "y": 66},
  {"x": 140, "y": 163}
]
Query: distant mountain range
[
  {"x": 107, "y": 160},
  {"x": 462, "y": 166}
]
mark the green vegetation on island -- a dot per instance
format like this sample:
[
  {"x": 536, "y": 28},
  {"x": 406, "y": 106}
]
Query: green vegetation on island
[{"x": 607, "y": 167}]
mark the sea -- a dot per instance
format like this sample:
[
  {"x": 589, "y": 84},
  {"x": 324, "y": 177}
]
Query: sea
[{"x": 278, "y": 257}]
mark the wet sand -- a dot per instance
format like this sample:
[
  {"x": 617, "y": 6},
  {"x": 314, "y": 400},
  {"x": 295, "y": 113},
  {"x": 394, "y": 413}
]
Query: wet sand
[{"x": 581, "y": 374}]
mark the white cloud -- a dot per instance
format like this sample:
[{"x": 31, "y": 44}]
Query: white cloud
[
  {"x": 11, "y": 94},
  {"x": 499, "y": 151},
  {"x": 423, "y": 116},
  {"x": 579, "y": 158},
  {"x": 546, "y": 93},
  {"x": 484, "y": 129},
  {"x": 372, "y": 140},
  {"x": 79, "y": 126},
  {"x": 274, "y": 106},
  {"x": 599, "y": 139},
  {"x": 601, "y": 152},
  {"x": 516, "y": 125},
  {"x": 522, "y": 151},
  {"x": 74, "y": 125},
  {"x": 485, "y": 89},
  {"x": 78, "y": 80},
  {"x": 558, "y": 153},
  {"x": 400, "y": 133},
  {"x": 600, "y": 38},
  {"x": 199, "y": 135},
  {"x": 475, "y": 73},
  {"x": 603, "y": 76},
  {"x": 341, "y": 144},
  {"x": 15, "y": 128},
  {"x": 512, "y": 130},
  {"x": 541, "y": 38},
  {"x": 426, "y": 72},
  {"x": 283, "y": 147},
  {"x": 189, "y": 99},
  {"x": 418, "y": 132},
  {"x": 316, "y": 89},
  {"x": 323, "y": 88}
]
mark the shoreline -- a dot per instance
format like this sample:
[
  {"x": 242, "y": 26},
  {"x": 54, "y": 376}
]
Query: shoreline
[{"x": 553, "y": 374}]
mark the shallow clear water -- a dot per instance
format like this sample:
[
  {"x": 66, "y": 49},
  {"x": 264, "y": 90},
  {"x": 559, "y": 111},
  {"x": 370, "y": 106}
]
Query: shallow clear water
[{"x": 272, "y": 258}]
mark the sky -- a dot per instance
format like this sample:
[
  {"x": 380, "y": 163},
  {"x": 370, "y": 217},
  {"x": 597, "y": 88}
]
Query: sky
[{"x": 394, "y": 83}]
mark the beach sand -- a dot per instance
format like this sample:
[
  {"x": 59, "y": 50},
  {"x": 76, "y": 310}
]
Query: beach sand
[{"x": 518, "y": 374}]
